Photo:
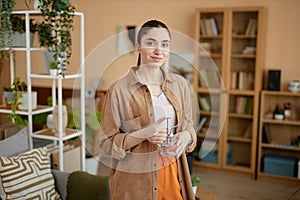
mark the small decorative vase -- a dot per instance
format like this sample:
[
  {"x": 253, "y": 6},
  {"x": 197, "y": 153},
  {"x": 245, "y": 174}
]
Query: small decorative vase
[
  {"x": 50, "y": 123},
  {"x": 64, "y": 121}
]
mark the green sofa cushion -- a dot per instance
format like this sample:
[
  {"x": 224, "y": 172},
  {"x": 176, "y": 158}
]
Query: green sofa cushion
[{"x": 82, "y": 185}]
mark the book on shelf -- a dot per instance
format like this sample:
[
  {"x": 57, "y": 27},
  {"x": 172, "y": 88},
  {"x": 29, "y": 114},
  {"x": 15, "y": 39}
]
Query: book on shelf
[
  {"x": 265, "y": 135},
  {"x": 251, "y": 27},
  {"x": 204, "y": 103},
  {"x": 233, "y": 79},
  {"x": 208, "y": 26},
  {"x": 201, "y": 123},
  {"x": 248, "y": 130},
  {"x": 202, "y": 28},
  {"x": 214, "y": 26},
  {"x": 249, "y": 84},
  {"x": 248, "y": 27},
  {"x": 241, "y": 80},
  {"x": 244, "y": 105}
]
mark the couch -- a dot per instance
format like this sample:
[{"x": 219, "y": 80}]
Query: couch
[{"x": 71, "y": 186}]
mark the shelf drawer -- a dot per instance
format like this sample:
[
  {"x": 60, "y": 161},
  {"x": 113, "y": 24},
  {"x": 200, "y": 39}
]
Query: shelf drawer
[{"x": 280, "y": 165}]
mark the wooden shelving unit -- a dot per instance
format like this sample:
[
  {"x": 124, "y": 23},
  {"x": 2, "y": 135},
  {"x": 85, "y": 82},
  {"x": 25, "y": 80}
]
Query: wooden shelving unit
[
  {"x": 277, "y": 136},
  {"x": 233, "y": 39}
]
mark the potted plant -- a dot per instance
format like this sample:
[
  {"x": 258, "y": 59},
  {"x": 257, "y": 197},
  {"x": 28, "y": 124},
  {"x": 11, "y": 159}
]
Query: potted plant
[
  {"x": 6, "y": 32},
  {"x": 21, "y": 100},
  {"x": 53, "y": 69},
  {"x": 55, "y": 30},
  {"x": 17, "y": 88},
  {"x": 19, "y": 35},
  {"x": 195, "y": 180},
  {"x": 8, "y": 96}
]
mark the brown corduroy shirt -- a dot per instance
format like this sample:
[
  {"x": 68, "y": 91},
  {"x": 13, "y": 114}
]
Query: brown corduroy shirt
[{"x": 134, "y": 161}]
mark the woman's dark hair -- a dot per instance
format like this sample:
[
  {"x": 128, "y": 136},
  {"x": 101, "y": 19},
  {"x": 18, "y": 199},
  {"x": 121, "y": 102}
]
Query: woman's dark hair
[{"x": 145, "y": 28}]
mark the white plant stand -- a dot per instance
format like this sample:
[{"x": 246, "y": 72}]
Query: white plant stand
[{"x": 56, "y": 86}]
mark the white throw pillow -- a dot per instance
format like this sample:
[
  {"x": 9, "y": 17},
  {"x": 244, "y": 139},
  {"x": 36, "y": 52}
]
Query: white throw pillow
[{"x": 27, "y": 176}]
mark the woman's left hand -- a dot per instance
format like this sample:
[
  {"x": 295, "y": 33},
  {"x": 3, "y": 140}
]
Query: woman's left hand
[{"x": 183, "y": 139}]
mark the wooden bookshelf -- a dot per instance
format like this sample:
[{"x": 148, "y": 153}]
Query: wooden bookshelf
[
  {"x": 278, "y": 137},
  {"x": 237, "y": 46}
]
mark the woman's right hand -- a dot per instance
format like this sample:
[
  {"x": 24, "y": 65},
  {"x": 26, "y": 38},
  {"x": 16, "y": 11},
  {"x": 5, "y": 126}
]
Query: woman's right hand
[{"x": 159, "y": 137}]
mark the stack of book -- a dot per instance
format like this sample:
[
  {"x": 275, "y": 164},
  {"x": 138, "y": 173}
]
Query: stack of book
[
  {"x": 208, "y": 26},
  {"x": 244, "y": 105},
  {"x": 241, "y": 80}
]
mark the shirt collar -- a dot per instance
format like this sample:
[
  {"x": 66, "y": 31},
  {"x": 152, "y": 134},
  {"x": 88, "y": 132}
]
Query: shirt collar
[{"x": 134, "y": 80}]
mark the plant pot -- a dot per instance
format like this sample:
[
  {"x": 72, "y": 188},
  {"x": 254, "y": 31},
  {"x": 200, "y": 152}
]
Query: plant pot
[
  {"x": 49, "y": 58},
  {"x": 10, "y": 96},
  {"x": 50, "y": 123},
  {"x": 195, "y": 189},
  {"x": 19, "y": 39},
  {"x": 53, "y": 72},
  {"x": 24, "y": 101}
]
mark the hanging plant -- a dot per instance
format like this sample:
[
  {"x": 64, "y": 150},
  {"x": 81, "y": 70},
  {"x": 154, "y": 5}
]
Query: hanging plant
[
  {"x": 55, "y": 30},
  {"x": 6, "y": 31}
]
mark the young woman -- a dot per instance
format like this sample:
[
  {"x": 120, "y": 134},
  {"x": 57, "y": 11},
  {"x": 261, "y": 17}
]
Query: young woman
[{"x": 140, "y": 110}]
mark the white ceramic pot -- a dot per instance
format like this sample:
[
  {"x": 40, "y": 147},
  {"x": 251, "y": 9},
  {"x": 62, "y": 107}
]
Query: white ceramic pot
[
  {"x": 294, "y": 86},
  {"x": 195, "y": 189},
  {"x": 53, "y": 72},
  {"x": 24, "y": 101}
]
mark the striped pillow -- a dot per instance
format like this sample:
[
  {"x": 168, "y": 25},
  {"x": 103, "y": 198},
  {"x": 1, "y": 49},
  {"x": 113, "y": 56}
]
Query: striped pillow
[{"x": 27, "y": 176}]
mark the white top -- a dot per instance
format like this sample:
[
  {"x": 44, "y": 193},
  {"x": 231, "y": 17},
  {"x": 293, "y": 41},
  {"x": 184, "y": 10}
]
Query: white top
[{"x": 162, "y": 107}]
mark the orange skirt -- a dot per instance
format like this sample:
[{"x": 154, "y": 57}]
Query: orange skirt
[{"x": 168, "y": 184}]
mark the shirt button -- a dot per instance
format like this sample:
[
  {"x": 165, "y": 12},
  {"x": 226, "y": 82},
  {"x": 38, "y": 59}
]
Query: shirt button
[
  {"x": 155, "y": 188},
  {"x": 150, "y": 114},
  {"x": 155, "y": 165}
]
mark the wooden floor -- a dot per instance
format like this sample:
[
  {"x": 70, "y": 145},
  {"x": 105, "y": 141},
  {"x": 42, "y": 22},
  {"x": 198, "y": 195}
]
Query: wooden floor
[{"x": 236, "y": 187}]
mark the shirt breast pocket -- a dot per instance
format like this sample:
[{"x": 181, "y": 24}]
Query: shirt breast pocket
[{"x": 132, "y": 124}]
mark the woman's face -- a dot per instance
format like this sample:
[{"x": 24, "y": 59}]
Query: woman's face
[{"x": 154, "y": 47}]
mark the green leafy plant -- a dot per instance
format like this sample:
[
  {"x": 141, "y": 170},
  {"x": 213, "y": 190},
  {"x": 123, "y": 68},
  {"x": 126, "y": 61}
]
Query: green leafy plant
[
  {"x": 6, "y": 30},
  {"x": 55, "y": 30},
  {"x": 195, "y": 180},
  {"x": 18, "y": 24},
  {"x": 18, "y": 87},
  {"x": 53, "y": 65}
]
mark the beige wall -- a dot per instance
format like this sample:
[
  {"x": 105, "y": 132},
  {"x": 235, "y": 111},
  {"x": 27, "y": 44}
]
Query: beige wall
[{"x": 103, "y": 16}]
